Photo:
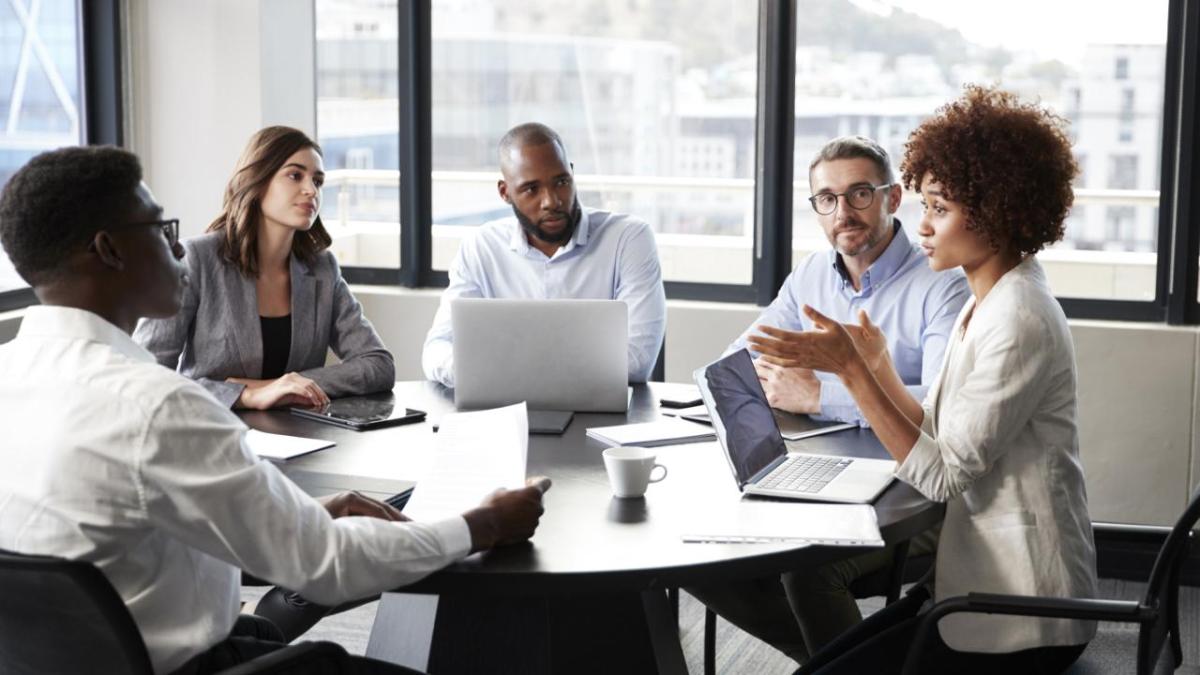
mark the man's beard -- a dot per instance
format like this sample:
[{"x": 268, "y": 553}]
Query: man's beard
[
  {"x": 873, "y": 237},
  {"x": 533, "y": 229}
]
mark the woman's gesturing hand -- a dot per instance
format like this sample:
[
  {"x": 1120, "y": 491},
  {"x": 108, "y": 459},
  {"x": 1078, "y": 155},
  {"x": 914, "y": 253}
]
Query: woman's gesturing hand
[{"x": 829, "y": 347}]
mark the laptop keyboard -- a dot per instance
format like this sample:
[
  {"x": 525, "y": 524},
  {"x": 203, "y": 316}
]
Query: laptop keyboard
[{"x": 805, "y": 473}]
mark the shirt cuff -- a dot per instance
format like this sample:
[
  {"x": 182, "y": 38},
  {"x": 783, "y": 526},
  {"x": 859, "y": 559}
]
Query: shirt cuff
[
  {"x": 454, "y": 536},
  {"x": 923, "y": 466},
  {"x": 838, "y": 404}
]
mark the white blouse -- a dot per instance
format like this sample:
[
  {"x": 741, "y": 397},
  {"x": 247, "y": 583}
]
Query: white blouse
[{"x": 1000, "y": 445}]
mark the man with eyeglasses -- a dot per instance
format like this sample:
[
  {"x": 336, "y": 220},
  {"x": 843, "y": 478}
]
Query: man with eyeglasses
[
  {"x": 872, "y": 266},
  {"x": 110, "y": 458}
]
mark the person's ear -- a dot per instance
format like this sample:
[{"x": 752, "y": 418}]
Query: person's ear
[
  {"x": 107, "y": 251},
  {"x": 502, "y": 189},
  {"x": 895, "y": 194}
]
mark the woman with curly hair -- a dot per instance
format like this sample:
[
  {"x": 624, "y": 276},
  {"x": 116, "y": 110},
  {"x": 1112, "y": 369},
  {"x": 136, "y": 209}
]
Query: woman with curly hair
[{"x": 996, "y": 437}]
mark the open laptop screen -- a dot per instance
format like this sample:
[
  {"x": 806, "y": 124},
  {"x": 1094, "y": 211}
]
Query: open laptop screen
[{"x": 751, "y": 436}]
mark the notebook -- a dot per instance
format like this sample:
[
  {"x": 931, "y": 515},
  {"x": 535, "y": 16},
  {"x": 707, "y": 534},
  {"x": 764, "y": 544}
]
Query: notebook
[
  {"x": 280, "y": 447},
  {"x": 768, "y": 522},
  {"x": 668, "y": 431}
]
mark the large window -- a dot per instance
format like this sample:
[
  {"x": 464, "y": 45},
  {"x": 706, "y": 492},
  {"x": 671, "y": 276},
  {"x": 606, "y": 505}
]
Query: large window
[
  {"x": 357, "y": 126},
  {"x": 39, "y": 89},
  {"x": 655, "y": 100},
  {"x": 700, "y": 116},
  {"x": 878, "y": 69}
]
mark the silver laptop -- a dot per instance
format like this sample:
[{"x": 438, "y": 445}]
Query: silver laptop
[
  {"x": 552, "y": 354},
  {"x": 759, "y": 456}
]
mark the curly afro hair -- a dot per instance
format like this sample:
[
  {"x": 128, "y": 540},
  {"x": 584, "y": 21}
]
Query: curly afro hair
[
  {"x": 55, "y": 204},
  {"x": 1008, "y": 163}
]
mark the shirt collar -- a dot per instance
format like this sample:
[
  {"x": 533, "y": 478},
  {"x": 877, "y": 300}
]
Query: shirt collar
[
  {"x": 518, "y": 242},
  {"x": 886, "y": 265},
  {"x": 51, "y": 321}
]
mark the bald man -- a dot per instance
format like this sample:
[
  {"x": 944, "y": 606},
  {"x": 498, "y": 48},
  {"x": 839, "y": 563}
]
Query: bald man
[{"x": 553, "y": 248}]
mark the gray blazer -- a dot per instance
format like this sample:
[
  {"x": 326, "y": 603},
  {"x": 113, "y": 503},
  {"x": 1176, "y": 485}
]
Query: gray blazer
[{"x": 217, "y": 334}]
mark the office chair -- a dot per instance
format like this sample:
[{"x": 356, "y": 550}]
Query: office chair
[
  {"x": 659, "y": 373},
  {"x": 62, "y": 616},
  {"x": 1157, "y": 613}
]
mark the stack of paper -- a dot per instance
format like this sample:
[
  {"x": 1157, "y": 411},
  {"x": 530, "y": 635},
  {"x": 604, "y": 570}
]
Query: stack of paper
[
  {"x": 752, "y": 521},
  {"x": 280, "y": 447},
  {"x": 475, "y": 454},
  {"x": 648, "y": 434}
]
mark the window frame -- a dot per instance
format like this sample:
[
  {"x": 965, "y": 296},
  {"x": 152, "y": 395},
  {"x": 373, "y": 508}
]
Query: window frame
[
  {"x": 1178, "y": 255},
  {"x": 98, "y": 29}
]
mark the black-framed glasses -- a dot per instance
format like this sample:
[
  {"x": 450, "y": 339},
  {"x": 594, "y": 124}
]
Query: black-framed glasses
[
  {"x": 169, "y": 227},
  {"x": 858, "y": 197}
]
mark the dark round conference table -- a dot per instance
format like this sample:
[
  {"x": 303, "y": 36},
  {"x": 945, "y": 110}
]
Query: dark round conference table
[{"x": 588, "y": 593}]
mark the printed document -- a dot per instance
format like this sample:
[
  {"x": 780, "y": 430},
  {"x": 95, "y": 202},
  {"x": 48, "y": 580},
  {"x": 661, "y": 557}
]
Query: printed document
[{"x": 475, "y": 454}]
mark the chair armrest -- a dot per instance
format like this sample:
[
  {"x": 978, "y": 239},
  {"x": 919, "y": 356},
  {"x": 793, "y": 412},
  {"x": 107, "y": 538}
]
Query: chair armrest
[
  {"x": 286, "y": 659},
  {"x": 1123, "y": 611},
  {"x": 1127, "y": 611}
]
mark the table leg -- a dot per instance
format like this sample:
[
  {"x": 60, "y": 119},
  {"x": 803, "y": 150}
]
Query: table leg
[{"x": 622, "y": 632}]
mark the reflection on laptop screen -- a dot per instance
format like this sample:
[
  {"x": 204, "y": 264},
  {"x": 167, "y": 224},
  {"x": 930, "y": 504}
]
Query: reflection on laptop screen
[{"x": 751, "y": 437}]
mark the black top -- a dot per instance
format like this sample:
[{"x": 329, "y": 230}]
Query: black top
[{"x": 277, "y": 343}]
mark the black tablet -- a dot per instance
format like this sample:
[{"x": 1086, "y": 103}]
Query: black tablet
[{"x": 362, "y": 412}]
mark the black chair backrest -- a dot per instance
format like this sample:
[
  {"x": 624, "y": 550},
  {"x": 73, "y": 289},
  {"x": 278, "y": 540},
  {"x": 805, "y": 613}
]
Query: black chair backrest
[
  {"x": 63, "y": 616},
  {"x": 659, "y": 374},
  {"x": 1162, "y": 591}
]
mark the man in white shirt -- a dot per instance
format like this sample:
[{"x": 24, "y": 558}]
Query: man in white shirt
[
  {"x": 553, "y": 248},
  {"x": 110, "y": 458}
]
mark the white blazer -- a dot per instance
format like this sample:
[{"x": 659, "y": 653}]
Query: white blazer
[{"x": 999, "y": 444}]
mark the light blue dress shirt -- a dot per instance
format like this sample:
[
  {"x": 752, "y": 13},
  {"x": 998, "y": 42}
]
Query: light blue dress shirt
[
  {"x": 610, "y": 257},
  {"x": 913, "y": 305}
]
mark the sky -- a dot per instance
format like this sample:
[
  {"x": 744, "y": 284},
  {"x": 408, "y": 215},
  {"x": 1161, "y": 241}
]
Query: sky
[{"x": 1057, "y": 28}]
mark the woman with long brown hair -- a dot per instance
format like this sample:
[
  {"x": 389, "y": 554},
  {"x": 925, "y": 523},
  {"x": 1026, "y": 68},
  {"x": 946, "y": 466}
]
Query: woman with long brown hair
[{"x": 266, "y": 299}]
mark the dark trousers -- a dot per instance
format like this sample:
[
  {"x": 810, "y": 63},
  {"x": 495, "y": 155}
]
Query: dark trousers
[
  {"x": 800, "y": 612},
  {"x": 292, "y": 614},
  {"x": 253, "y": 636},
  {"x": 880, "y": 644}
]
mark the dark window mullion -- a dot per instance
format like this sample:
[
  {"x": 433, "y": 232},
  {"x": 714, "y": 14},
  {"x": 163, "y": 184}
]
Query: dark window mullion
[
  {"x": 416, "y": 139},
  {"x": 17, "y": 299},
  {"x": 774, "y": 146},
  {"x": 1113, "y": 310},
  {"x": 1180, "y": 207},
  {"x": 100, "y": 65}
]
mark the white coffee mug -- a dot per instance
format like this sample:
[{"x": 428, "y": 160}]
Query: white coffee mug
[{"x": 629, "y": 468}]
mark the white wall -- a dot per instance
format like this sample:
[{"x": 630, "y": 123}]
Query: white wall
[{"x": 204, "y": 76}]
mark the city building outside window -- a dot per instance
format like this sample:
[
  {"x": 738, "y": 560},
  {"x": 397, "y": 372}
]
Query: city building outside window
[
  {"x": 879, "y": 68},
  {"x": 656, "y": 100},
  {"x": 39, "y": 89}
]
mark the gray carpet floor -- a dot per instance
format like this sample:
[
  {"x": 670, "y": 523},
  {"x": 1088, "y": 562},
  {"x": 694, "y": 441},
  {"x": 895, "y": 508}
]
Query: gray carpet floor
[{"x": 1111, "y": 654}]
